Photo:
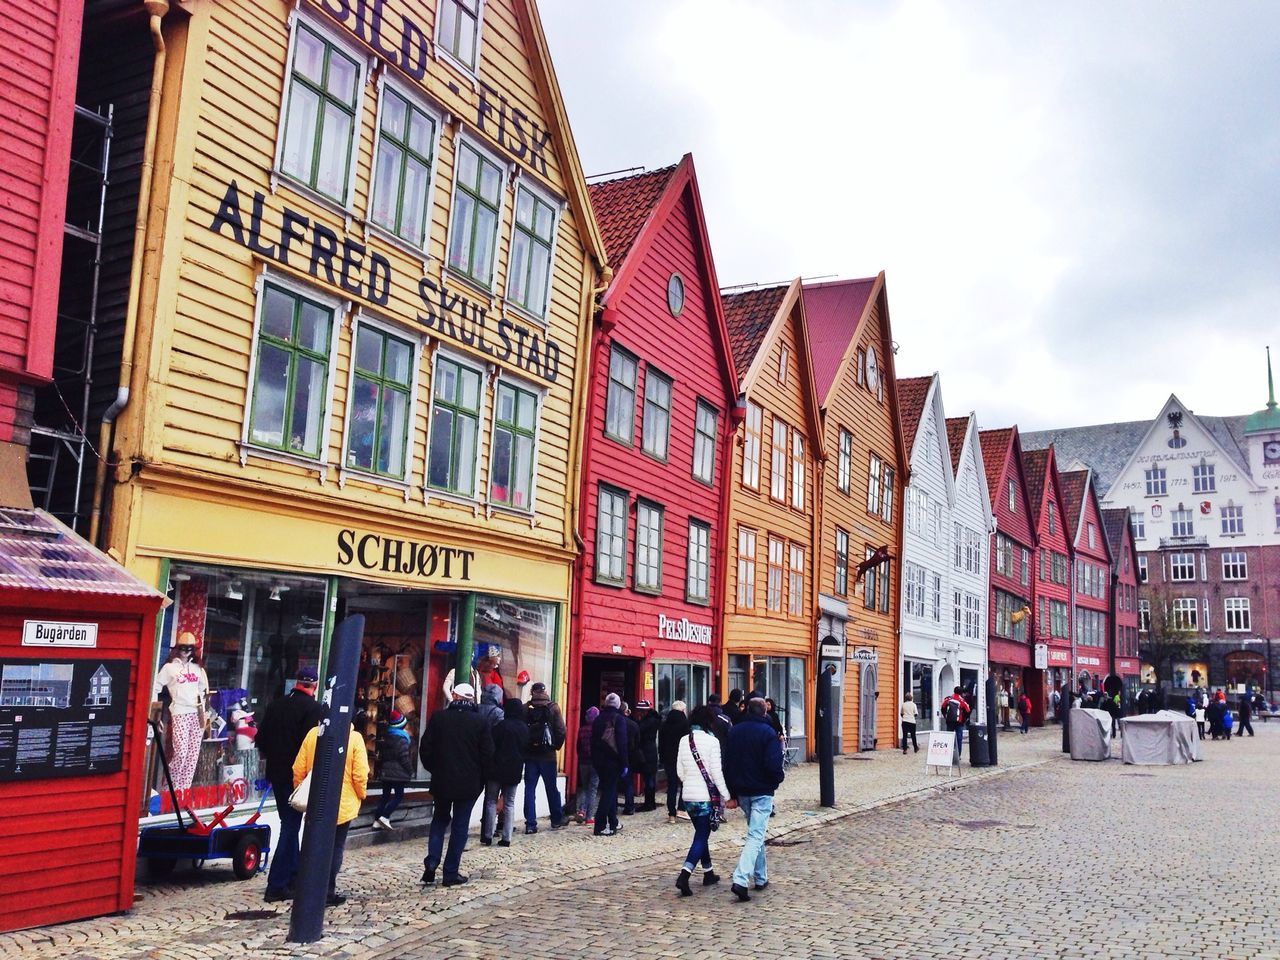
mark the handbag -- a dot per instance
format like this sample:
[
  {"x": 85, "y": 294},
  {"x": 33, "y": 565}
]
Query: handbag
[
  {"x": 717, "y": 802},
  {"x": 301, "y": 794}
]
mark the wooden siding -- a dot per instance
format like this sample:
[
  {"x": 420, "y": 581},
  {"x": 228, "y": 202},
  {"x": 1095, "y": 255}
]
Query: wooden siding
[
  {"x": 1017, "y": 525},
  {"x": 220, "y": 123}
]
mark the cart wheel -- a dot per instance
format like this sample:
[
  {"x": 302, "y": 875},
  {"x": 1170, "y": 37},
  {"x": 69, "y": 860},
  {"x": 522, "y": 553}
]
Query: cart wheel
[
  {"x": 246, "y": 857},
  {"x": 158, "y": 868}
]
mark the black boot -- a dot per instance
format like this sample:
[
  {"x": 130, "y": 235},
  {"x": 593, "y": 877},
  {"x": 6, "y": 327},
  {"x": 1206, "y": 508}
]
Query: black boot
[
  {"x": 682, "y": 884},
  {"x": 741, "y": 893},
  {"x": 709, "y": 877}
]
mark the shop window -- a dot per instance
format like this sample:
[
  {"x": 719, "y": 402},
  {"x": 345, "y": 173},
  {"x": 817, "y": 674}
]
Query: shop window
[
  {"x": 704, "y": 442},
  {"x": 515, "y": 423},
  {"x": 532, "y": 245},
  {"x": 697, "y": 580},
  {"x": 514, "y": 637},
  {"x": 842, "y": 563},
  {"x": 689, "y": 682},
  {"x": 620, "y": 405},
  {"x": 291, "y": 373},
  {"x": 378, "y": 411},
  {"x": 797, "y": 470},
  {"x": 611, "y": 535},
  {"x": 795, "y": 582},
  {"x": 656, "y": 420},
  {"x": 781, "y": 679},
  {"x": 844, "y": 464},
  {"x": 778, "y": 464},
  {"x": 647, "y": 572},
  {"x": 477, "y": 208},
  {"x": 773, "y": 584},
  {"x": 746, "y": 568},
  {"x": 753, "y": 435},
  {"x": 458, "y": 30},
  {"x": 320, "y": 111},
  {"x": 402, "y": 170},
  {"x": 455, "y": 420}
]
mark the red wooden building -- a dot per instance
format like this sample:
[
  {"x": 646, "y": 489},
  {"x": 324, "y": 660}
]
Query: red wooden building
[
  {"x": 1091, "y": 598},
  {"x": 1051, "y": 587},
  {"x": 660, "y": 417},
  {"x": 37, "y": 99},
  {"x": 1125, "y": 662},
  {"x": 1010, "y": 618}
]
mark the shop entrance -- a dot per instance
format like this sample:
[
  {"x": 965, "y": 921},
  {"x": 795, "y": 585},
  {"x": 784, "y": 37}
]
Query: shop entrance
[
  {"x": 867, "y": 708},
  {"x": 602, "y": 676}
]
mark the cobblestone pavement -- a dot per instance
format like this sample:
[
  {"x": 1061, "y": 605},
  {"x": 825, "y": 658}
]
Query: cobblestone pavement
[{"x": 1029, "y": 860}]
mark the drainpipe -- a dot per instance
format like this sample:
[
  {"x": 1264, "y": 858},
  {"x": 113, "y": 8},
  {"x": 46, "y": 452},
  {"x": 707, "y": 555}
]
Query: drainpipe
[
  {"x": 736, "y": 415},
  {"x": 156, "y": 10}
]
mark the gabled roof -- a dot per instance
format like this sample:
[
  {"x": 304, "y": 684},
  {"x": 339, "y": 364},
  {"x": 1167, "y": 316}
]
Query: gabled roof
[
  {"x": 912, "y": 393},
  {"x": 1035, "y": 465},
  {"x": 749, "y": 315},
  {"x": 834, "y": 311},
  {"x": 995, "y": 450},
  {"x": 1075, "y": 486},
  {"x": 957, "y": 427},
  {"x": 623, "y": 206}
]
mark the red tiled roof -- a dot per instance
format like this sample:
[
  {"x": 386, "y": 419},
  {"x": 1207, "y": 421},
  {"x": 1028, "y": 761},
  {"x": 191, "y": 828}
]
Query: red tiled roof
[
  {"x": 1074, "y": 488},
  {"x": 749, "y": 315},
  {"x": 912, "y": 392},
  {"x": 957, "y": 427},
  {"x": 832, "y": 311},
  {"x": 623, "y": 205},
  {"x": 995, "y": 448},
  {"x": 38, "y": 552},
  {"x": 1035, "y": 464}
]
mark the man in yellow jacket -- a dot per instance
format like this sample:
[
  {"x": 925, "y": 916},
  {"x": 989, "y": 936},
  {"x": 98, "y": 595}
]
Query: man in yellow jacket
[{"x": 355, "y": 779}]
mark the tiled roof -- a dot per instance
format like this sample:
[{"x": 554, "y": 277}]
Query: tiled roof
[
  {"x": 1035, "y": 465},
  {"x": 1074, "y": 488},
  {"x": 957, "y": 427},
  {"x": 995, "y": 448},
  {"x": 623, "y": 205},
  {"x": 832, "y": 311},
  {"x": 1114, "y": 521},
  {"x": 912, "y": 392},
  {"x": 37, "y": 552},
  {"x": 749, "y": 315}
]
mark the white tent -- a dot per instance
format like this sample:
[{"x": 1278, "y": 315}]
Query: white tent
[
  {"x": 1160, "y": 738},
  {"x": 1090, "y": 734}
]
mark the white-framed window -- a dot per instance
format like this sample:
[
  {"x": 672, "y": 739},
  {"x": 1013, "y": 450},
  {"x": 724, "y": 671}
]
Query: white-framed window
[
  {"x": 698, "y": 574},
  {"x": 935, "y": 523},
  {"x": 778, "y": 460},
  {"x": 784, "y": 359},
  {"x": 513, "y": 449},
  {"x": 978, "y": 541},
  {"x": 844, "y": 462},
  {"x": 959, "y": 543},
  {"x": 646, "y": 574},
  {"x": 1235, "y": 565},
  {"x": 936, "y": 597},
  {"x": 655, "y": 431},
  {"x": 1138, "y": 524},
  {"x": 957, "y": 609},
  {"x": 705, "y": 418},
  {"x": 1277, "y": 513},
  {"x": 321, "y": 112},
  {"x": 773, "y": 576},
  {"x": 1185, "y": 613},
  {"x": 1053, "y": 519},
  {"x": 1026, "y": 566},
  {"x": 1202, "y": 478},
  {"x": 746, "y": 568},
  {"x": 1142, "y": 568},
  {"x": 458, "y": 31},
  {"x": 797, "y": 470},
  {"x": 1235, "y": 612},
  {"x": 752, "y": 436},
  {"x": 453, "y": 438},
  {"x": 404, "y": 165},
  {"x": 886, "y": 499},
  {"x": 909, "y": 588},
  {"x": 475, "y": 213},
  {"x": 1156, "y": 482},
  {"x": 533, "y": 247},
  {"x": 842, "y": 563},
  {"x": 290, "y": 385},
  {"x": 620, "y": 403},
  {"x": 1092, "y": 536},
  {"x": 1144, "y": 616},
  {"x": 380, "y": 396},
  {"x": 1182, "y": 567},
  {"x": 873, "y": 484},
  {"x": 1232, "y": 521},
  {"x": 611, "y": 535},
  {"x": 1182, "y": 523},
  {"x": 795, "y": 581},
  {"x": 1013, "y": 497}
]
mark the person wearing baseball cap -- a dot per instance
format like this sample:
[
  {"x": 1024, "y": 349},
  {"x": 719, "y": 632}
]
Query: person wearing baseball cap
[{"x": 280, "y": 734}]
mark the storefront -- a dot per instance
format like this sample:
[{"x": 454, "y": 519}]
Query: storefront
[
  {"x": 780, "y": 679},
  {"x": 918, "y": 677}
]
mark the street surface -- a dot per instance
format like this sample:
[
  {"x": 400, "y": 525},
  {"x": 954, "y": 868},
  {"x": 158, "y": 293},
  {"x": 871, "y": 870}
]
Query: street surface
[{"x": 1042, "y": 858}]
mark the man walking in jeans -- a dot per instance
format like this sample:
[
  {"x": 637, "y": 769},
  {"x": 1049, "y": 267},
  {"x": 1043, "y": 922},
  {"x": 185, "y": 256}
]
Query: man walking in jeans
[
  {"x": 546, "y": 736},
  {"x": 753, "y": 769},
  {"x": 457, "y": 749}
]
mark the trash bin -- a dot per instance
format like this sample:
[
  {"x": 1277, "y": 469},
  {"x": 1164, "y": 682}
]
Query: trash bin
[{"x": 979, "y": 746}]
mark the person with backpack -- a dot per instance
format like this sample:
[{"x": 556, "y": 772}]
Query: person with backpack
[
  {"x": 509, "y": 739},
  {"x": 608, "y": 755},
  {"x": 753, "y": 769},
  {"x": 647, "y": 723},
  {"x": 395, "y": 769},
  {"x": 675, "y": 725},
  {"x": 955, "y": 713},
  {"x": 546, "y": 736},
  {"x": 588, "y": 779},
  {"x": 1024, "y": 713},
  {"x": 705, "y": 794}
]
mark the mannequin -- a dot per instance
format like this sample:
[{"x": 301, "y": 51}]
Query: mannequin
[
  {"x": 184, "y": 678},
  {"x": 243, "y": 725}
]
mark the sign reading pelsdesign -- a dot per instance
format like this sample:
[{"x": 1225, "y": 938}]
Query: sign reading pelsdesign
[
  {"x": 369, "y": 551},
  {"x": 683, "y": 629}
]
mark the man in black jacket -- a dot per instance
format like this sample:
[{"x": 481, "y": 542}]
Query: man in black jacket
[
  {"x": 280, "y": 733},
  {"x": 675, "y": 727},
  {"x": 647, "y": 724},
  {"x": 609, "y": 754},
  {"x": 633, "y": 761},
  {"x": 753, "y": 769},
  {"x": 457, "y": 749}
]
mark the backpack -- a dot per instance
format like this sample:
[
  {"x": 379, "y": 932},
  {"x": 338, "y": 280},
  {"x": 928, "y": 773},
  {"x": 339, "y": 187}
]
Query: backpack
[
  {"x": 952, "y": 711},
  {"x": 609, "y": 735},
  {"x": 1226, "y": 720},
  {"x": 541, "y": 736}
]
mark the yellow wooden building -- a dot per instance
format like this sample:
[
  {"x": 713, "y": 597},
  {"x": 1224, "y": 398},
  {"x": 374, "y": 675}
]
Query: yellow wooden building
[
  {"x": 860, "y": 502},
  {"x": 770, "y": 583},
  {"x": 352, "y": 361}
]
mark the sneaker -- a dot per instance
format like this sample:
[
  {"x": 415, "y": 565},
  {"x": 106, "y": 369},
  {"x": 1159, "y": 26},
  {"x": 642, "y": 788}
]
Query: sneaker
[
  {"x": 456, "y": 881},
  {"x": 385, "y": 823},
  {"x": 617, "y": 828},
  {"x": 336, "y": 899},
  {"x": 529, "y": 830},
  {"x": 504, "y": 843},
  {"x": 589, "y": 822},
  {"x": 428, "y": 877},
  {"x": 376, "y": 824},
  {"x": 606, "y": 832}
]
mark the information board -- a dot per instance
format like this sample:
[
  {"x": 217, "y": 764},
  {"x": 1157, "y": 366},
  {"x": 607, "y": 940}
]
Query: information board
[
  {"x": 61, "y": 718},
  {"x": 942, "y": 749}
]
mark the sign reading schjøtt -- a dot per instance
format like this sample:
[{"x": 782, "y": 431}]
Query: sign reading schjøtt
[
  {"x": 683, "y": 629},
  {"x": 49, "y": 633}
]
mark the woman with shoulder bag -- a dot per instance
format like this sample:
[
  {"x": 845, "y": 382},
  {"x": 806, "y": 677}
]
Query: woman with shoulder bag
[{"x": 698, "y": 767}]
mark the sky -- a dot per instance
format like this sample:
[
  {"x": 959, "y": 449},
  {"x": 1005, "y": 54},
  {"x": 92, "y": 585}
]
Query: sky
[{"x": 1076, "y": 205}]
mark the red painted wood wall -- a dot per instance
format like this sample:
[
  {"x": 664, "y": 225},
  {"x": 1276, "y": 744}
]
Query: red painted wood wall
[
  {"x": 1059, "y": 540},
  {"x": 1100, "y": 556},
  {"x": 1125, "y": 651}
]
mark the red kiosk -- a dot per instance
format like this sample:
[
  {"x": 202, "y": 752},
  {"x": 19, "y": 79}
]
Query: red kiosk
[{"x": 76, "y": 639}]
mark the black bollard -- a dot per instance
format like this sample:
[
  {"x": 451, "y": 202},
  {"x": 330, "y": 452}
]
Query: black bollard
[
  {"x": 826, "y": 741},
  {"x": 306, "y": 921},
  {"x": 992, "y": 727},
  {"x": 1067, "y": 698}
]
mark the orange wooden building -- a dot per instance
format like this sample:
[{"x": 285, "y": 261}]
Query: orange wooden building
[{"x": 770, "y": 587}]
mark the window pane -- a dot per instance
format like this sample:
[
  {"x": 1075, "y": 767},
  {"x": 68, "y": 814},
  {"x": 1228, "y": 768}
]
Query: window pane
[
  {"x": 449, "y": 25},
  {"x": 486, "y": 234},
  {"x": 460, "y": 231},
  {"x": 342, "y": 77},
  {"x": 267, "y": 420},
  {"x": 308, "y": 407},
  {"x": 544, "y": 220},
  {"x": 506, "y": 403},
  {"x": 413, "y": 210},
  {"x": 500, "y": 471},
  {"x": 386, "y": 185},
  {"x": 528, "y": 411},
  {"x": 335, "y": 148},
  {"x": 441, "y": 447},
  {"x": 524, "y": 208},
  {"x": 277, "y": 314},
  {"x": 523, "y": 473},
  {"x": 394, "y": 112},
  {"x": 364, "y": 414},
  {"x": 539, "y": 272},
  {"x": 398, "y": 366},
  {"x": 313, "y": 327},
  {"x": 308, "y": 56},
  {"x": 300, "y": 133},
  {"x": 468, "y": 166},
  {"x": 519, "y": 285},
  {"x": 369, "y": 350},
  {"x": 467, "y": 41},
  {"x": 468, "y": 389},
  {"x": 421, "y": 130},
  {"x": 395, "y": 415},
  {"x": 466, "y": 465},
  {"x": 490, "y": 181}
]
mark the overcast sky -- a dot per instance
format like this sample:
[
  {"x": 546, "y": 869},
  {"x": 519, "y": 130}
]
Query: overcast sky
[{"x": 1076, "y": 205}]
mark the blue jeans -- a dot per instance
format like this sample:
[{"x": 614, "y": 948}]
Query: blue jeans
[
  {"x": 489, "y": 821},
  {"x": 700, "y": 849},
  {"x": 453, "y": 817},
  {"x": 959, "y": 731},
  {"x": 1026, "y": 720},
  {"x": 392, "y": 794},
  {"x": 751, "y": 863},
  {"x": 284, "y": 858},
  {"x": 544, "y": 770},
  {"x": 588, "y": 784}
]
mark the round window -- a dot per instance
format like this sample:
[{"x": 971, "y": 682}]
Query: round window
[{"x": 675, "y": 294}]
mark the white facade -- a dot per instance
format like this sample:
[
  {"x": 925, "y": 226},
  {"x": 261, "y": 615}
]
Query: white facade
[{"x": 946, "y": 529}]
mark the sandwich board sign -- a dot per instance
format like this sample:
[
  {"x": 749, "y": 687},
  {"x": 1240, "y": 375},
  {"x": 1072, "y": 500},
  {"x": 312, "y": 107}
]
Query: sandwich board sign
[{"x": 942, "y": 751}]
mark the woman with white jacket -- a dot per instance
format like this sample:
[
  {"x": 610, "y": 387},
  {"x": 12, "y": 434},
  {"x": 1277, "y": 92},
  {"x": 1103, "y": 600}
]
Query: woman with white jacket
[{"x": 704, "y": 790}]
